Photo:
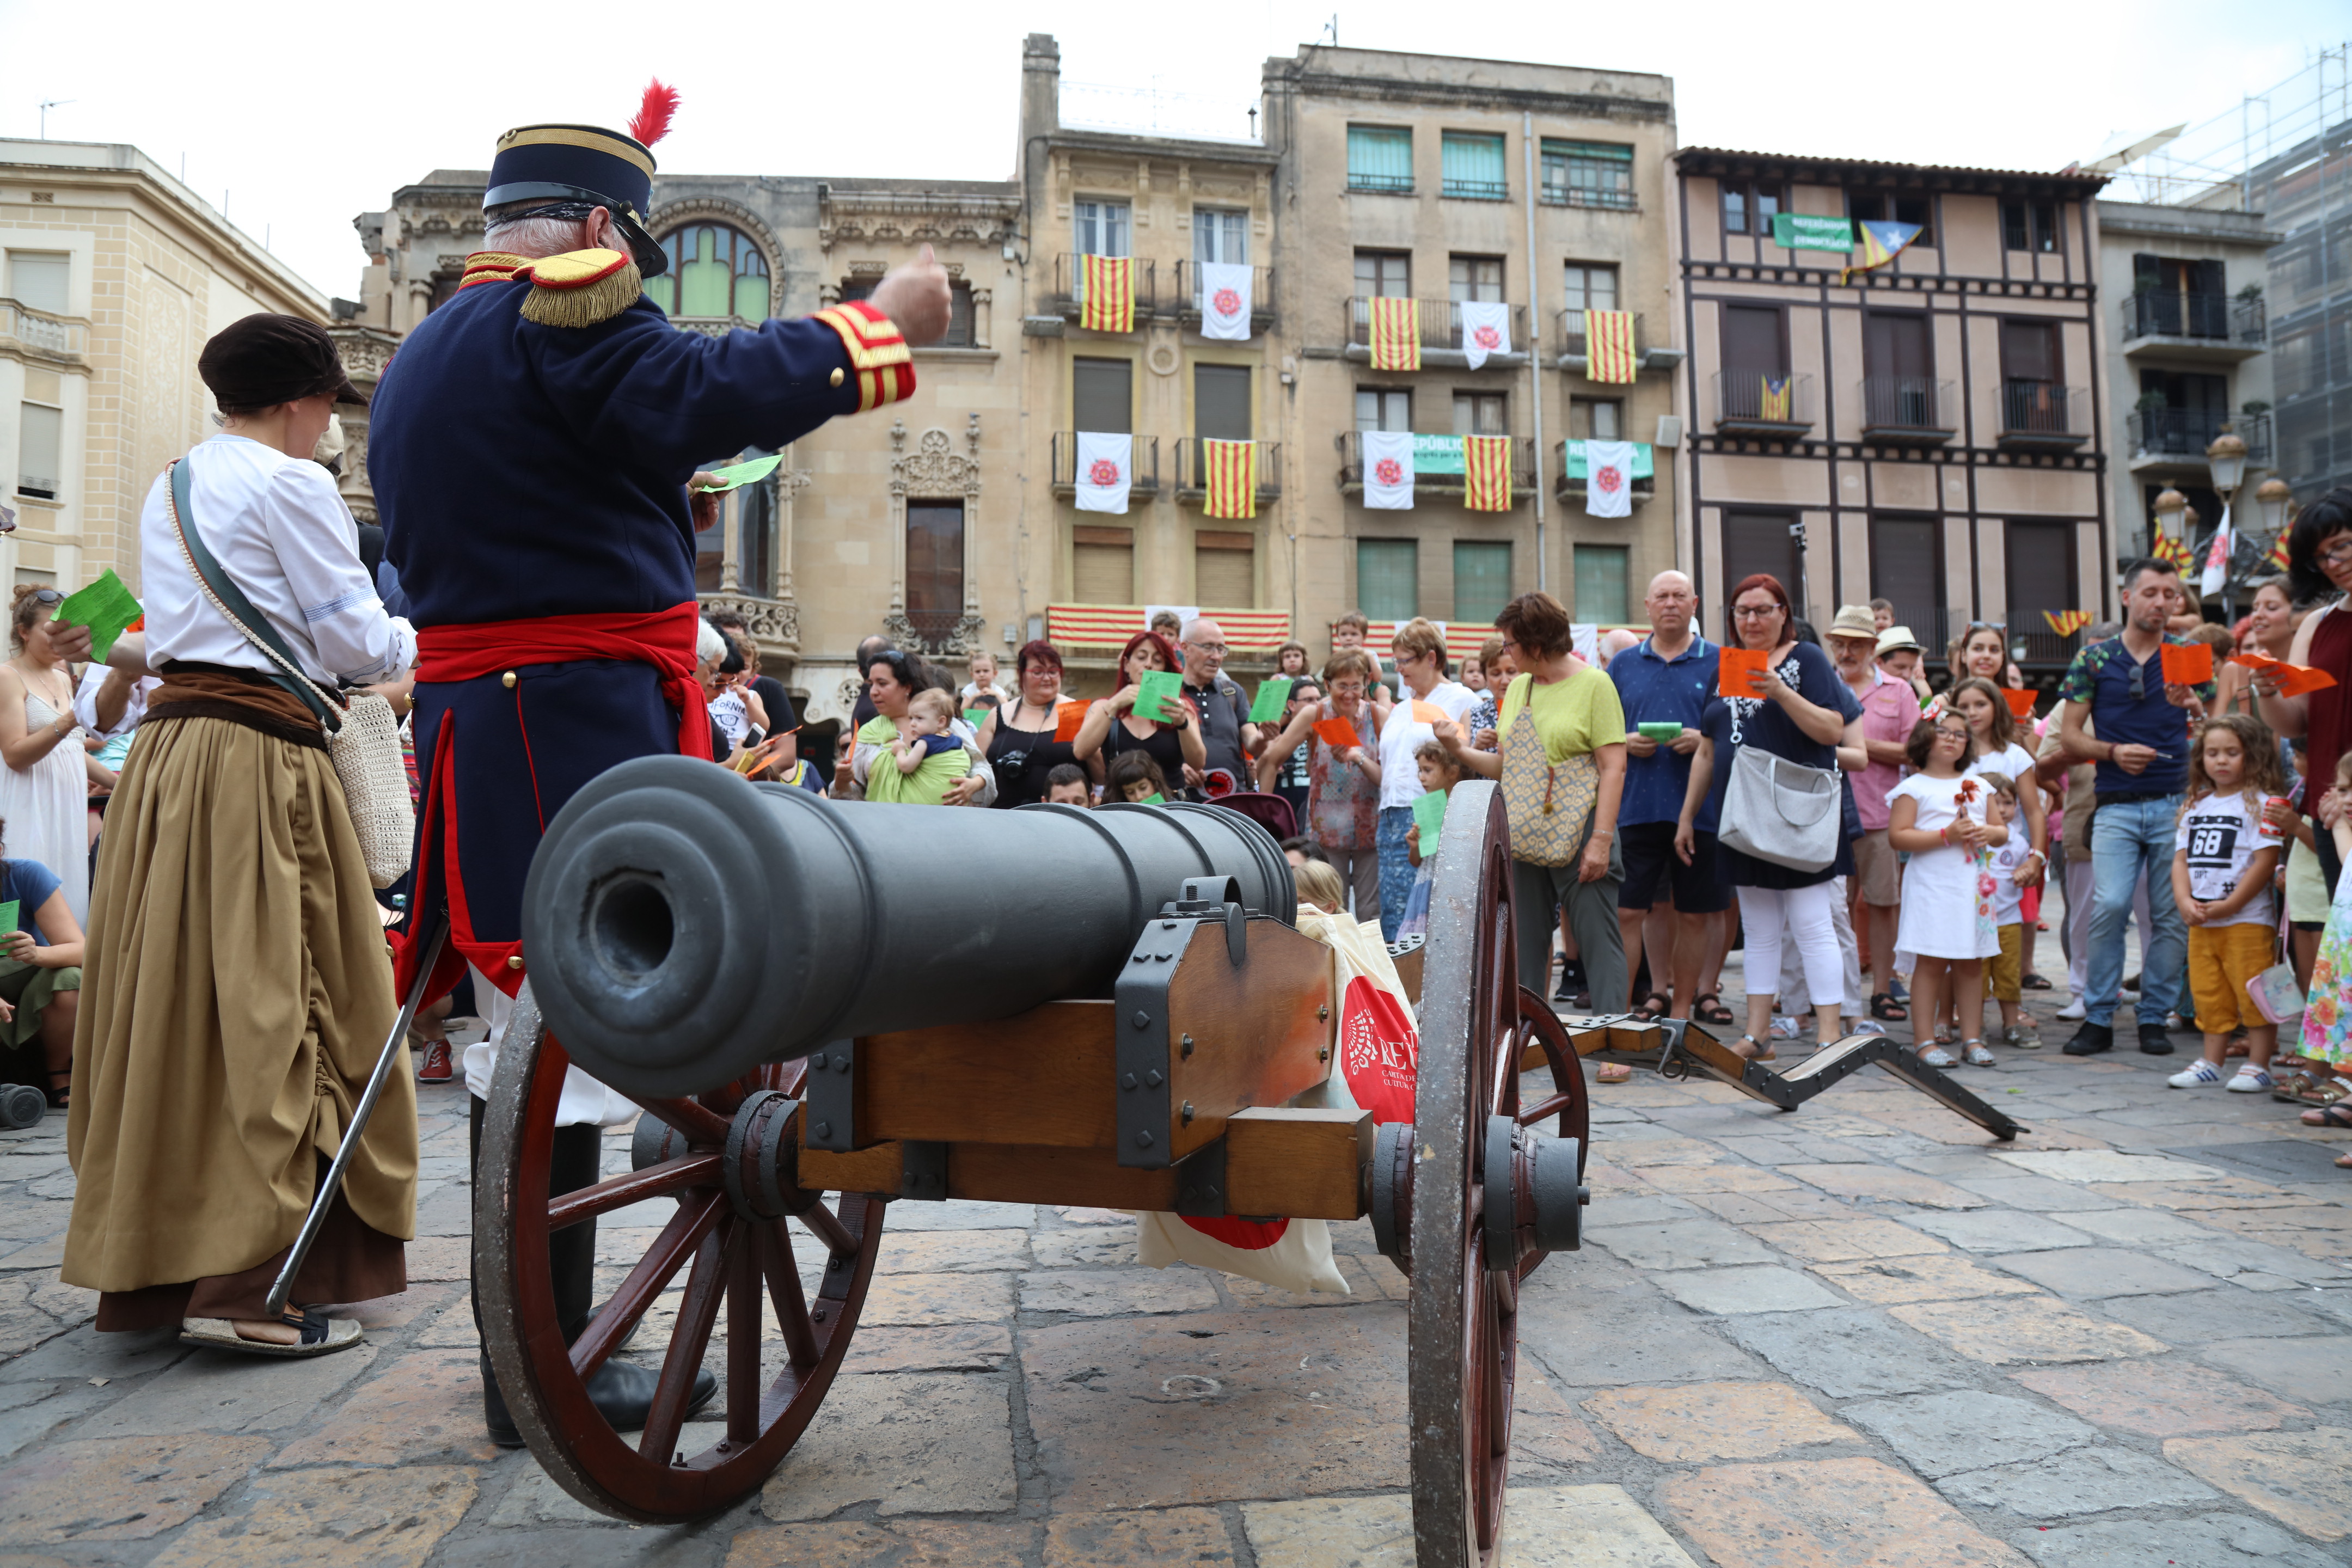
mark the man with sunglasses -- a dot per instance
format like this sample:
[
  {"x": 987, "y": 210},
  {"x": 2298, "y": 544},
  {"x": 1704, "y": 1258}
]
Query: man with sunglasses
[{"x": 2141, "y": 749}]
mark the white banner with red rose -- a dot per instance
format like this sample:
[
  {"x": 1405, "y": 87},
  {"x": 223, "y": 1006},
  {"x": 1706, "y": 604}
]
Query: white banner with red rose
[
  {"x": 1388, "y": 470},
  {"x": 1485, "y": 330},
  {"x": 1609, "y": 478},
  {"x": 1105, "y": 468},
  {"x": 1225, "y": 300}
]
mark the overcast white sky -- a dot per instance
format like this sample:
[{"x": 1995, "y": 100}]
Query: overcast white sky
[{"x": 307, "y": 115}]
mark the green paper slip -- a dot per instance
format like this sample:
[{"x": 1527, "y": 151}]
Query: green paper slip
[
  {"x": 7, "y": 917},
  {"x": 1660, "y": 733},
  {"x": 1154, "y": 800},
  {"x": 975, "y": 717},
  {"x": 1429, "y": 816},
  {"x": 105, "y": 606},
  {"x": 1157, "y": 693},
  {"x": 739, "y": 474},
  {"x": 1270, "y": 697}
]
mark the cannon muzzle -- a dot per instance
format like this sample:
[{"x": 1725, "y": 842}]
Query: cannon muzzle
[{"x": 684, "y": 926}]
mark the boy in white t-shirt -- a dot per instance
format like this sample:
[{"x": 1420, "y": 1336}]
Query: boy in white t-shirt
[
  {"x": 2222, "y": 865},
  {"x": 2005, "y": 976}
]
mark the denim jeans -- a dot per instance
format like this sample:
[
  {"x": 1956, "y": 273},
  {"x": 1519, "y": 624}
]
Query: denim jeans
[
  {"x": 1396, "y": 867},
  {"x": 2132, "y": 843}
]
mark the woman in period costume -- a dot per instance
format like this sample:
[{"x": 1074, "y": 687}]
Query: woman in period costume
[{"x": 237, "y": 987}]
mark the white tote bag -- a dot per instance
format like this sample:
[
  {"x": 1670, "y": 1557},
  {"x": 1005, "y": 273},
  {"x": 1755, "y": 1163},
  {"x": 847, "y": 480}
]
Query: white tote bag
[{"x": 1781, "y": 811}]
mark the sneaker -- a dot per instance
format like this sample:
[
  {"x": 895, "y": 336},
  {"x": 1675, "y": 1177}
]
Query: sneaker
[
  {"x": 1785, "y": 1027},
  {"x": 2074, "y": 1012},
  {"x": 1900, "y": 992},
  {"x": 2250, "y": 1079},
  {"x": 436, "y": 1066},
  {"x": 2196, "y": 1075},
  {"x": 2091, "y": 1040},
  {"x": 2154, "y": 1041},
  {"x": 2021, "y": 1036}
]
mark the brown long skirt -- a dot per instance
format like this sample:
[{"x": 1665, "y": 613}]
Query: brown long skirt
[{"x": 236, "y": 990}]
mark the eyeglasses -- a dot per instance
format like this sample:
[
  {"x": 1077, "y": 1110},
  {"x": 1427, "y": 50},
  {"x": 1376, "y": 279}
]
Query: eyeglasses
[
  {"x": 47, "y": 596},
  {"x": 2337, "y": 555},
  {"x": 1207, "y": 647},
  {"x": 2138, "y": 683},
  {"x": 1755, "y": 612}
]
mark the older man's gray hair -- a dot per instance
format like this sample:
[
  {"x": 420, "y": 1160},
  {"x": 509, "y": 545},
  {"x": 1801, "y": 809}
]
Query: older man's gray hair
[{"x": 531, "y": 237}]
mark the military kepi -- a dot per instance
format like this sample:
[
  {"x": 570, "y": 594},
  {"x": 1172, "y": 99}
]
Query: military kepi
[{"x": 587, "y": 162}]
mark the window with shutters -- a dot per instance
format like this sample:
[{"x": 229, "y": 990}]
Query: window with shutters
[
  {"x": 1103, "y": 227},
  {"x": 1482, "y": 580},
  {"x": 1753, "y": 340},
  {"x": 934, "y": 567},
  {"x": 1480, "y": 414},
  {"x": 1588, "y": 173},
  {"x": 1103, "y": 563},
  {"x": 1906, "y": 568},
  {"x": 1472, "y": 166},
  {"x": 1387, "y": 578},
  {"x": 1383, "y": 408},
  {"x": 1386, "y": 273},
  {"x": 1379, "y": 158},
  {"x": 1757, "y": 541},
  {"x": 1224, "y": 569},
  {"x": 1476, "y": 278},
  {"x": 1596, "y": 419},
  {"x": 1601, "y": 584},
  {"x": 40, "y": 449},
  {"x": 715, "y": 273},
  {"x": 1221, "y": 402},
  {"x": 38, "y": 278},
  {"x": 2041, "y": 562},
  {"x": 1590, "y": 286},
  {"x": 1102, "y": 394}
]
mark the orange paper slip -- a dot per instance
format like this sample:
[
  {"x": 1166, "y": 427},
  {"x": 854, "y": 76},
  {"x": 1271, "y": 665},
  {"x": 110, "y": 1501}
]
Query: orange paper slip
[
  {"x": 1337, "y": 733},
  {"x": 2189, "y": 665},
  {"x": 2020, "y": 703},
  {"x": 1428, "y": 713},
  {"x": 1067, "y": 719},
  {"x": 2299, "y": 680},
  {"x": 1736, "y": 663}
]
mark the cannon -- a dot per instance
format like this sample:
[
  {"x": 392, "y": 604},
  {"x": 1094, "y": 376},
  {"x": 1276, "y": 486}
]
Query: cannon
[{"x": 825, "y": 1008}]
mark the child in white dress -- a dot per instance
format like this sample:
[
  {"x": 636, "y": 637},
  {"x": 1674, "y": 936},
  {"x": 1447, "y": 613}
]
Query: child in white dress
[{"x": 1937, "y": 816}]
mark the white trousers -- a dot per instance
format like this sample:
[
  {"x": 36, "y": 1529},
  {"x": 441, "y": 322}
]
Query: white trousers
[
  {"x": 1805, "y": 916},
  {"x": 1793, "y": 974}
]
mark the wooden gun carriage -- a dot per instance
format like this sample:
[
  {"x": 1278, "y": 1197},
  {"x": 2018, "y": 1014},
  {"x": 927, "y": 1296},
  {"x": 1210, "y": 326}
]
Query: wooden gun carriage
[{"x": 826, "y": 1009}]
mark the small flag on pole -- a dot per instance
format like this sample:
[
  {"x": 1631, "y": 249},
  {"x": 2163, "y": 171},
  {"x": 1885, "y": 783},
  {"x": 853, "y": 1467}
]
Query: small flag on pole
[
  {"x": 1109, "y": 304},
  {"x": 1487, "y": 473},
  {"x": 2066, "y": 623},
  {"x": 1396, "y": 334},
  {"x": 1229, "y": 477},
  {"x": 1609, "y": 346},
  {"x": 1880, "y": 242},
  {"x": 2277, "y": 560}
]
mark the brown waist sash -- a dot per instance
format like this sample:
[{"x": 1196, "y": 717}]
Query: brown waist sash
[{"x": 192, "y": 690}]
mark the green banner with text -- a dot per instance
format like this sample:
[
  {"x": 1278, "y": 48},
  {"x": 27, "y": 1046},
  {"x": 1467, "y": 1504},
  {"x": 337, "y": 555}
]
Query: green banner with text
[{"x": 1802, "y": 231}]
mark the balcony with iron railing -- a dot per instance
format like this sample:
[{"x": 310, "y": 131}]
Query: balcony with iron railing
[
  {"x": 1066, "y": 296},
  {"x": 1908, "y": 410},
  {"x": 1351, "y": 469},
  {"x": 1189, "y": 301},
  {"x": 1562, "y": 191},
  {"x": 1441, "y": 335},
  {"x": 1379, "y": 184},
  {"x": 43, "y": 334},
  {"x": 1192, "y": 482},
  {"x": 2213, "y": 327},
  {"x": 2033, "y": 646},
  {"x": 1143, "y": 466},
  {"x": 2042, "y": 416},
  {"x": 2176, "y": 438},
  {"x": 1474, "y": 189},
  {"x": 1575, "y": 356},
  {"x": 1760, "y": 403},
  {"x": 1568, "y": 486}
]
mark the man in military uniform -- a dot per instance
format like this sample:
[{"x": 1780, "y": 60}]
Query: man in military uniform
[{"x": 532, "y": 445}]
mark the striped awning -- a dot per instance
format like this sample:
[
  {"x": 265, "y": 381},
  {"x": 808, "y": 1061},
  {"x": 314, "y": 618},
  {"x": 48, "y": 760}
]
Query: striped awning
[{"x": 1109, "y": 626}]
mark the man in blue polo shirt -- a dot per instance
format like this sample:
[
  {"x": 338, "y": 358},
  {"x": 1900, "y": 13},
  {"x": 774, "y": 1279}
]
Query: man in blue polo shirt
[
  {"x": 1666, "y": 678},
  {"x": 2142, "y": 752}
]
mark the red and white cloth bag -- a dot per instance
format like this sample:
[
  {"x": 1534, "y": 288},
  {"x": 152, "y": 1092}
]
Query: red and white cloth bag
[{"x": 1380, "y": 1046}]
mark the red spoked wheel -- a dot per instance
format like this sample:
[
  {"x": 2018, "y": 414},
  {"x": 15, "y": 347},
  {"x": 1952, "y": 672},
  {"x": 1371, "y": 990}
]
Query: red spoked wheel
[{"x": 730, "y": 1160}]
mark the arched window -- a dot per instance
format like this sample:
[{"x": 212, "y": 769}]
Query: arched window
[{"x": 713, "y": 272}]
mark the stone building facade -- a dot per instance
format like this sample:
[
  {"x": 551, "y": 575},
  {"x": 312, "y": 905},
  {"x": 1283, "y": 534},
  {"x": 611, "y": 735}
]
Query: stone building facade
[{"x": 112, "y": 274}]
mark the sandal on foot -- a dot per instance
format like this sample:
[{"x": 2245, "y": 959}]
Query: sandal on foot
[
  {"x": 1974, "y": 1053},
  {"x": 2337, "y": 1116},
  {"x": 1716, "y": 1013},
  {"x": 321, "y": 1335},
  {"x": 2034, "y": 983},
  {"x": 2323, "y": 1090},
  {"x": 60, "y": 1095},
  {"x": 1611, "y": 1072},
  {"x": 1652, "y": 1007},
  {"x": 1936, "y": 1057},
  {"x": 1888, "y": 1010},
  {"x": 1748, "y": 1045}
]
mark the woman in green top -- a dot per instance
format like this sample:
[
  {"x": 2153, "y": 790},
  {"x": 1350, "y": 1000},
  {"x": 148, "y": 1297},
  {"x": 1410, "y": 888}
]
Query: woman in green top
[{"x": 1557, "y": 711}]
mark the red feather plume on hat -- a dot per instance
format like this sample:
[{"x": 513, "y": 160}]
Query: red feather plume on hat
[{"x": 652, "y": 122}]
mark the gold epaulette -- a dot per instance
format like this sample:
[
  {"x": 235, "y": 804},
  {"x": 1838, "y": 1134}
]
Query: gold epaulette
[{"x": 580, "y": 287}]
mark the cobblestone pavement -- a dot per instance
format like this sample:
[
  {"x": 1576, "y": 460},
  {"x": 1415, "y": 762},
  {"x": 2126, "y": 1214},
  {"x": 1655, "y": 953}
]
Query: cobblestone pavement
[{"x": 1861, "y": 1333}]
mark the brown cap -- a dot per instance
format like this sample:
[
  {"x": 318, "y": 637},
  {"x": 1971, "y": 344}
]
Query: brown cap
[{"x": 262, "y": 361}]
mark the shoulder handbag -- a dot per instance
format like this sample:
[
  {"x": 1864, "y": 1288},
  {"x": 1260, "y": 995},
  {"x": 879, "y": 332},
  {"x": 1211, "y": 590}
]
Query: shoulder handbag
[
  {"x": 1547, "y": 805},
  {"x": 363, "y": 736},
  {"x": 1780, "y": 811}
]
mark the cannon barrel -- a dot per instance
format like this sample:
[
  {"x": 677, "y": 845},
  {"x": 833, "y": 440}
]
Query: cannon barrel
[{"x": 684, "y": 926}]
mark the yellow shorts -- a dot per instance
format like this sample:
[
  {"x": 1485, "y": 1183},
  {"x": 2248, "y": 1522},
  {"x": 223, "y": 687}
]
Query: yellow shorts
[
  {"x": 2221, "y": 959},
  {"x": 2002, "y": 973}
]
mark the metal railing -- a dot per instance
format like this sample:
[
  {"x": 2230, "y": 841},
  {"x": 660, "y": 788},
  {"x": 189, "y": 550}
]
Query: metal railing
[
  {"x": 2043, "y": 413},
  {"x": 1476, "y": 189},
  {"x": 1069, "y": 288},
  {"x": 1560, "y": 193},
  {"x": 1143, "y": 465},
  {"x": 1570, "y": 324},
  {"x": 2028, "y": 637},
  {"x": 2215, "y": 318},
  {"x": 1570, "y": 486},
  {"x": 1387, "y": 184},
  {"x": 1187, "y": 292},
  {"x": 2185, "y": 433},
  {"x": 1916, "y": 408},
  {"x": 1759, "y": 402},
  {"x": 1351, "y": 445},
  {"x": 1441, "y": 323},
  {"x": 42, "y": 332},
  {"x": 1191, "y": 484}
]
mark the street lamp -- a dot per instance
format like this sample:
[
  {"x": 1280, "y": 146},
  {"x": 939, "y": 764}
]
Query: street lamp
[
  {"x": 2274, "y": 498},
  {"x": 2170, "y": 506},
  {"x": 2226, "y": 459}
]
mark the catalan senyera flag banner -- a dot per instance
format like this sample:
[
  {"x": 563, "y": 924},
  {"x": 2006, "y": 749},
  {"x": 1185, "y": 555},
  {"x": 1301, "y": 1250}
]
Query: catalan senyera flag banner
[
  {"x": 1779, "y": 400},
  {"x": 2066, "y": 623},
  {"x": 1609, "y": 346},
  {"x": 1879, "y": 243},
  {"x": 1109, "y": 304},
  {"x": 2170, "y": 550},
  {"x": 1487, "y": 473},
  {"x": 1229, "y": 476},
  {"x": 2277, "y": 558},
  {"x": 1396, "y": 334}
]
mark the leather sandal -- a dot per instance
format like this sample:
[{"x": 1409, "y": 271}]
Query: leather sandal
[
  {"x": 1652, "y": 1007},
  {"x": 1717, "y": 1014},
  {"x": 1755, "y": 1050},
  {"x": 1888, "y": 1010}
]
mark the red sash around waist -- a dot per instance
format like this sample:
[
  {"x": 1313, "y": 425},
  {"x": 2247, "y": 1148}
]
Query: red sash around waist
[{"x": 663, "y": 638}]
